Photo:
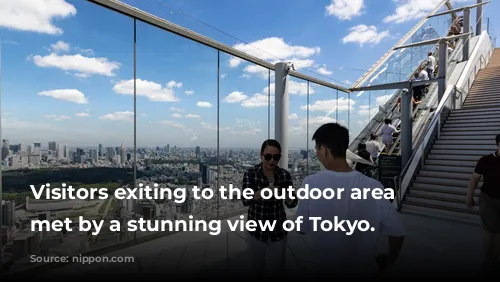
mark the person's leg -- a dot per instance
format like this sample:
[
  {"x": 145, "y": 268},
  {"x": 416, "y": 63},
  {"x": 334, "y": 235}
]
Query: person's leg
[
  {"x": 277, "y": 257},
  {"x": 489, "y": 210},
  {"x": 258, "y": 251}
]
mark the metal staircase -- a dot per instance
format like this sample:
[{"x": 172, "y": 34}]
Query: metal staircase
[{"x": 468, "y": 133}]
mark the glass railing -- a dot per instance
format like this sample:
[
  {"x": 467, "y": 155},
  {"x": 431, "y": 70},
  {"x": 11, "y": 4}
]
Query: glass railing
[{"x": 198, "y": 118}]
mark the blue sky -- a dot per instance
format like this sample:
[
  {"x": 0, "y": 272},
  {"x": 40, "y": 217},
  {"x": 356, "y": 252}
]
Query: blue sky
[{"x": 67, "y": 68}]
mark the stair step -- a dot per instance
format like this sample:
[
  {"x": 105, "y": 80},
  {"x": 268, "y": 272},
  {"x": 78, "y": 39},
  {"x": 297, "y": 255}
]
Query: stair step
[
  {"x": 478, "y": 153},
  {"x": 445, "y": 197},
  {"x": 469, "y": 104},
  {"x": 486, "y": 112},
  {"x": 452, "y": 207},
  {"x": 442, "y": 189},
  {"x": 442, "y": 181},
  {"x": 453, "y": 157},
  {"x": 445, "y": 175},
  {"x": 467, "y": 137},
  {"x": 450, "y": 163},
  {"x": 445, "y": 168},
  {"x": 408, "y": 208},
  {"x": 492, "y": 131},
  {"x": 481, "y": 98},
  {"x": 496, "y": 128},
  {"x": 491, "y": 147},
  {"x": 472, "y": 125},
  {"x": 472, "y": 121},
  {"x": 464, "y": 142},
  {"x": 472, "y": 118}
]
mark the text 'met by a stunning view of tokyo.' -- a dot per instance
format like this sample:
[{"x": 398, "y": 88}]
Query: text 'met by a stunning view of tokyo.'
[{"x": 199, "y": 115}]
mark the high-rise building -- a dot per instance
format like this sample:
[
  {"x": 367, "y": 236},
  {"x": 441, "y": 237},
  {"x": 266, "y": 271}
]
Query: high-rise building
[
  {"x": 8, "y": 213},
  {"x": 52, "y": 146},
  {"x": 100, "y": 150}
]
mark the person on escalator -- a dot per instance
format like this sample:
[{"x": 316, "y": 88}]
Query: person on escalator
[
  {"x": 387, "y": 131},
  {"x": 373, "y": 147},
  {"x": 430, "y": 65},
  {"x": 362, "y": 152}
]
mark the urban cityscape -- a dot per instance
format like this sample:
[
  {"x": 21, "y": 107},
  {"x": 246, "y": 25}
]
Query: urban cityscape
[{"x": 112, "y": 167}]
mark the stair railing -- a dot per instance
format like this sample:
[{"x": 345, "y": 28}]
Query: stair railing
[{"x": 422, "y": 149}]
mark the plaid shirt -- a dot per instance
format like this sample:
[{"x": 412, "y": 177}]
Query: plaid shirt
[{"x": 271, "y": 210}]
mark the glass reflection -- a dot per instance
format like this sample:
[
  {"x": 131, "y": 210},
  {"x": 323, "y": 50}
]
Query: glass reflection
[
  {"x": 75, "y": 130},
  {"x": 244, "y": 120}
]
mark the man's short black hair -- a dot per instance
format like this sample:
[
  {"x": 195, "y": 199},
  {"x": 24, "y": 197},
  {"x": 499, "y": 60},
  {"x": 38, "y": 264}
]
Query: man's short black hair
[
  {"x": 333, "y": 136},
  {"x": 270, "y": 142},
  {"x": 387, "y": 121},
  {"x": 497, "y": 139}
]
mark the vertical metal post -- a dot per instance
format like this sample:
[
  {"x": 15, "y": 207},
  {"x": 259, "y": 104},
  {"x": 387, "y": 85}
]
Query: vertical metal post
[
  {"x": 443, "y": 62},
  {"x": 488, "y": 26},
  {"x": 268, "y": 104},
  {"x": 218, "y": 130},
  {"x": 281, "y": 110},
  {"x": 406, "y": 125},
  {"x": 135, "y": 110},
  {"x": 479, "y": 18},
  {"x": 465, "y": 49},
  {"x": 307, "y": 130},
  {"x": 1, "y": 162}
]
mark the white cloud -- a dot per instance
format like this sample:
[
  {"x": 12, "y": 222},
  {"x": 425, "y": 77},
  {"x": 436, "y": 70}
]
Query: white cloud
[
  {"x": 125, "y": 116},
  {"x": 34, "y": 16},
  {"x": 257, "y": 100},
  {"x": 176, "y": 115},
  {"x": 192, "y": 116},
  {"x": 223, "y": 75},
  {"x": 364, "y": 34},
  {"x": 56, "y": 117},
  {"x": 411, "y": 10},
  {"x": 274, "y": 49},
  {"x": 330, "y": 105},
  {"x": 323, "y": 70},
  {"x": 79, "y": 63},
  {"x": 174, "y": 124},
  {"x": 294, "y": 87},
  {"x": 174, "y": 84},
  {"x": 293, "y": 116},
  {"x": 212, "y": 127},
  {"x": 149, "y": 89},
  {"x": 345, "y": 9},
  {"x": 235, "y": 97},
  {"x": 189, "y": 92},
  {"x": 59, "y": 46},
  {"x": 203, "y": 104},
  {"x": 82, "y": 115},
  {"x": 70, "y": 95},
  {"x": 174, "y": 109}
]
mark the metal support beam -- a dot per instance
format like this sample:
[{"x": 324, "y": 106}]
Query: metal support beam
[
  {"x": 442, "y": 66},
  {"x": 130, "y": 11},
  {"x": 479, "y": 18},
  {"x": 459, "y": 9},
  {"x": 406, "y": 125},
  {"x": 433, "y": 41},
  {"x": 465, "y": 50},
  {"x": 281, "y": 110},
  {"x": 394, "y": 85}
]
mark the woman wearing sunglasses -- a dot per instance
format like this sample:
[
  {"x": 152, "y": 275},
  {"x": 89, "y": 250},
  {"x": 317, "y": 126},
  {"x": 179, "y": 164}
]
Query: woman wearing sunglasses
[{"x": 268, "y": 248}]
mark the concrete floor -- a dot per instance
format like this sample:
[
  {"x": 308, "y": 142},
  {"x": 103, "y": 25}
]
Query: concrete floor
[{"x": 432, "y": 248}]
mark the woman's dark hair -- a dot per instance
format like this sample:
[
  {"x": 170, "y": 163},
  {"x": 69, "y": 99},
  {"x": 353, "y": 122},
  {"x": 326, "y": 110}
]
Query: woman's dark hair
[
  {"x": 387, "y": 121},
  {"x": 333, "y": 136},
  {"x": 361, "y": 146},
  {"x": 497, "y": 139},
  {"x": 373, "y": 136},
  {"x": 272, "y": 143}
]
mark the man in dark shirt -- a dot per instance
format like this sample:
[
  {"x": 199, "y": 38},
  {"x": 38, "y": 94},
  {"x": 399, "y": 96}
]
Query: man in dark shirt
[
  {"x": 268, "y": 245},
  {"x": 488, "y": 168}
]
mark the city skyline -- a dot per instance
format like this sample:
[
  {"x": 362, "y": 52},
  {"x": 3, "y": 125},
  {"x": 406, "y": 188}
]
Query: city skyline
[{"x": 78, "y": 60}]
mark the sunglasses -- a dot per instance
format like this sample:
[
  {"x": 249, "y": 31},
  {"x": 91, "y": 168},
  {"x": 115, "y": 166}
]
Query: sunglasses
[{"x": 276, "y": 157}]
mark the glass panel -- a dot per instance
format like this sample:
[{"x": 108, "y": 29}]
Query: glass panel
[
  {"x": 324, "y": 107},
  {"x": 63, "y": 133},
  {"x": 297, "y": 129},
  {"x": 244, "y": 117},
  {"x": 403, "y": 62},
  {"x": 176, "y": 115}
]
